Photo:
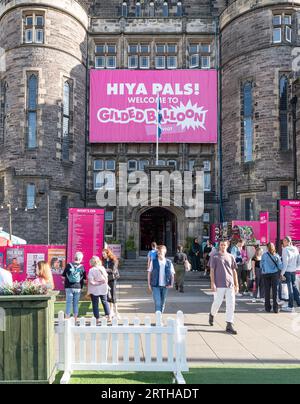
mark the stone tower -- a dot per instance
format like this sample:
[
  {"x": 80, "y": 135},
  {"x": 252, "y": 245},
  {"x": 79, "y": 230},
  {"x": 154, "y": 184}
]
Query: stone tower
[
  {"x": 43, "y": 109},
  {"x": 257, "y": 42}
]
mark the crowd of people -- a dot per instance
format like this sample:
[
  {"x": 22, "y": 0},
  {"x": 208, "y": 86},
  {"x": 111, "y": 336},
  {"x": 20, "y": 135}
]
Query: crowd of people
[
  {"x": 262, "y": 274},
  {"x": 234, "y": 270}
]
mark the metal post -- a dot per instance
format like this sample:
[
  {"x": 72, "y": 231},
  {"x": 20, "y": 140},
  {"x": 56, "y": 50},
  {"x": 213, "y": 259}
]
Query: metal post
[
  {"x": 10, "y": 220},
  {"x": 48, "y": 218},
  {"x": 157, "y": 147}
]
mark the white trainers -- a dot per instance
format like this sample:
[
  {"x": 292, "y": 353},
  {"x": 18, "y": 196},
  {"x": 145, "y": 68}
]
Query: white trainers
[{"x": 288, "y": 309}]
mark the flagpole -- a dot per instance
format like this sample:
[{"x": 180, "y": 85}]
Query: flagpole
[{"x": 157, "y": 147}]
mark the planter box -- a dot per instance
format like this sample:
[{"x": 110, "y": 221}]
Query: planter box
[{"x": 27, "y": 340}]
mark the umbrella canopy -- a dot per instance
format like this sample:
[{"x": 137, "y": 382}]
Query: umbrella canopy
[{"x": 15, "y": 240}]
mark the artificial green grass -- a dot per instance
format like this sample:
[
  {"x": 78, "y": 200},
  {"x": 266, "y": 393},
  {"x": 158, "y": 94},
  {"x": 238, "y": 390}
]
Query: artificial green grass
[
  {"x": 222, "y": 374},
  {"x": 84, "y": 308}
]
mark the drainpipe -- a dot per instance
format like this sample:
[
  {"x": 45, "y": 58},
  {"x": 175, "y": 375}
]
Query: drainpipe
[
  {"x": 294, "y": 102},
  {"x": 86, "y": 120},
  {"x": 218, "y": 40}
]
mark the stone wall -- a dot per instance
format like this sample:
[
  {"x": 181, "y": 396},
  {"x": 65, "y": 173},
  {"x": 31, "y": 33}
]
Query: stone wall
[
  {"x": 249, "y": 54},
  {"x": 62, "y": 57}
]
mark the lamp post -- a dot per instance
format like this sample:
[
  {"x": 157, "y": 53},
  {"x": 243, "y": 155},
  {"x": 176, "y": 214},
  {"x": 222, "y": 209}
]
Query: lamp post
[{"x": 10, "y": 210}]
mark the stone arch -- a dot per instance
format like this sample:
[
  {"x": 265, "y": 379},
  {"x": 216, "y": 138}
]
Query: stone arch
[{"x": 137, "y": 212}]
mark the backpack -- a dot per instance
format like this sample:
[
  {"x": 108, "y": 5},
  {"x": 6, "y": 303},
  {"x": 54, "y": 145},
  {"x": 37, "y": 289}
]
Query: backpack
[{"x": 74, "y": 274}]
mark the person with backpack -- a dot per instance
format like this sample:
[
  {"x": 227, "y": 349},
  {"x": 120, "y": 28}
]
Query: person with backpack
[
  {"x": 160, "y": 278},
  {"x": 181, "y": 264},
  {"x": 271, "y": 266},
  {"x": 75, "y": 276}
]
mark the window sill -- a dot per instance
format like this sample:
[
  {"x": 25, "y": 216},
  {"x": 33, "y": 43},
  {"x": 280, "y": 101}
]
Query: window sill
[{"x": 67, "y": 164}]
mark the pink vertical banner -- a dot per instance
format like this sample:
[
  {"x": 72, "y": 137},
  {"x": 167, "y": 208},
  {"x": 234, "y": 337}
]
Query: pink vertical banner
[
  {"x": 264, "y": 218},
  {"x": 85, "y": 233}
]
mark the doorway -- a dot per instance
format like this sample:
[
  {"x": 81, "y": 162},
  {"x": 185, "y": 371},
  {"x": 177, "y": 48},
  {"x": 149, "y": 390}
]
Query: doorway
[{"x": 159, "y": 225}]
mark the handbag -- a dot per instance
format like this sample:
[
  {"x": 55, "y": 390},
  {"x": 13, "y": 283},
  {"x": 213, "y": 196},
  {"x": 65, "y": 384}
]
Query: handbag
[{"x": 187, "y": 266}]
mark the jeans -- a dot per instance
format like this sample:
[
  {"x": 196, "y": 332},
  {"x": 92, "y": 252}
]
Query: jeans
[
  {"x": 293, "y": 291},
  {"x": 95, "y": 303},
  {"x": 160, "y": 296},
  {"x": 271, "y": 283},
  {"x": 72, "y": 300},
  {"x": 229, "y": 294},
  {"x": 243, "y": 277}
]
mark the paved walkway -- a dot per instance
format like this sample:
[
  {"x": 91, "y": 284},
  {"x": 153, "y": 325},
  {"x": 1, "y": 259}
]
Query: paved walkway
[{"x": 262, "y": 338}]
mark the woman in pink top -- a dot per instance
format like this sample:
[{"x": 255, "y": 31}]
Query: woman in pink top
[
  {"x": 98, "y": 287},
  {"x": 44, "y": 275}
]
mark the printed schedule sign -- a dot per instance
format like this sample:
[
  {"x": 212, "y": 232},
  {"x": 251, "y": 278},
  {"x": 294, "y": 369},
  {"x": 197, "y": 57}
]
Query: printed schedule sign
[
  {"x": 124, "y": 106},
  {"x": 289, "y": 215},
  {"x": 85, "y": 233},
  {"x": 264, "y": 227}
]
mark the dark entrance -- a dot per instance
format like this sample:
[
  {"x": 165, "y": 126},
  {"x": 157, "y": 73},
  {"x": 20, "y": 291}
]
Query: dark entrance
[{"x": 160, "y": 225}]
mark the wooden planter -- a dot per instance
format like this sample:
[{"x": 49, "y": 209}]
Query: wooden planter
[{"x": 27, "y": 344}]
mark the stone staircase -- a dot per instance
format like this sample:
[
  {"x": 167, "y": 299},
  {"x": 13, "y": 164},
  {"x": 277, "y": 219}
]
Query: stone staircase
[{"x": 136, "y": 270}]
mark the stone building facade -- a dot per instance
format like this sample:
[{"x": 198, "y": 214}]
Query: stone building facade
[
  {"x": 259, "y": 42},
  {"x": 46, "y": 161}
]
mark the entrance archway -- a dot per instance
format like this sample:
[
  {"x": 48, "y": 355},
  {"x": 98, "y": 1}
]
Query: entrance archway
[{"x": 159, "y": 225}]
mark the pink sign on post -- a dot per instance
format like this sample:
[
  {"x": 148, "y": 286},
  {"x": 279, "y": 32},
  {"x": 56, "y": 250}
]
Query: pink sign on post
[
  {"x": 264, "y": 228},
  {"x": 85, "y": 233},
  {"x": 289, "y": 216},
  {"x": 124, "y": 106}
]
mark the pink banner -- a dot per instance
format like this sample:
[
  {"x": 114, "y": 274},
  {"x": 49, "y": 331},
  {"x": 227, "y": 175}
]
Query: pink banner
[
  {"x": 289, "y": 214},
  {"x": 22, "y": 261},
  {"x": 124, "y": 106},
  {"x": 85, "y": 233},
  {"x": 264, "y": 228},
  {"x": 247, "y": 230}
]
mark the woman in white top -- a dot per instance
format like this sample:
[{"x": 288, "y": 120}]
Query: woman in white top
[{"x": 98, "y": 287}]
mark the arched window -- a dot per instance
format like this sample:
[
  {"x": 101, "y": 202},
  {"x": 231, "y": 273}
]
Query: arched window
[
  {"x": 248, "y": 122},
  {"x": 124, "y": 9},
  {"x": 31, "y": 194},
  {"x": 151, "y": 9},
  {"x": 179, "y": 11},
  {"x": 32, "y": 88},
  {"x": 283, "y": 113},
  {"x": 165, "y": 9},
  {"x": 66, "y": 122},
  {"x": 138, "y": 9}
]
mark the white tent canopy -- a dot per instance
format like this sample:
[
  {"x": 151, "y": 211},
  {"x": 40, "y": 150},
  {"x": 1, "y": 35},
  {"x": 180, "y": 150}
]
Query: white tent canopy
[{"x": 15, "y": 240}]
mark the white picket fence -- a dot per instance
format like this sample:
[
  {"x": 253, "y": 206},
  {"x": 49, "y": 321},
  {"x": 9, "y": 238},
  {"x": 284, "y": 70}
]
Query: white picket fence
[{"x": 122, "y": 347}]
